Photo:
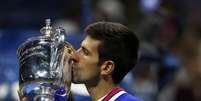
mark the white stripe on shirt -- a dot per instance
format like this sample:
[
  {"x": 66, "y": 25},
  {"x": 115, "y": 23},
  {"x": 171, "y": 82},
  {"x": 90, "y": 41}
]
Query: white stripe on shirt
[{"x": 117, "y": 95}]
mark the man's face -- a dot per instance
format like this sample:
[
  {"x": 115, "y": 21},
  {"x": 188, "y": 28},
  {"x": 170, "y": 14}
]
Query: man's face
[{"x": 86, "y": 70}]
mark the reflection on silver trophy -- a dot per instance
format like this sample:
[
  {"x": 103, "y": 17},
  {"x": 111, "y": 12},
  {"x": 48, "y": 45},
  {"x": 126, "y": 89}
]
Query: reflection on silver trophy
[{"x": 45, "y": 69}]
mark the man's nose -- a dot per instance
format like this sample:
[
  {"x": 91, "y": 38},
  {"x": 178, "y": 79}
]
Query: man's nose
[
  {"x": 74, "y": 57},
  {"x": 71, "y": 53}
]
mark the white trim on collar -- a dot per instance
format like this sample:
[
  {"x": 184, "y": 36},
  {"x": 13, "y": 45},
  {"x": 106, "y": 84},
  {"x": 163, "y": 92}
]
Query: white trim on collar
[{"x": 113, "y": 98}]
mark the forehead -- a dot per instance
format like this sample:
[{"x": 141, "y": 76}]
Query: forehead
[{"x": 90, "y": 43}]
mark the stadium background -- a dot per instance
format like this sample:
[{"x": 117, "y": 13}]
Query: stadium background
[{"x": 170, "y": 30}]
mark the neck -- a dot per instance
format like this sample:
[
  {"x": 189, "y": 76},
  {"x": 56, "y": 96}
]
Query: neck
[{"x": 100, "y": 90}]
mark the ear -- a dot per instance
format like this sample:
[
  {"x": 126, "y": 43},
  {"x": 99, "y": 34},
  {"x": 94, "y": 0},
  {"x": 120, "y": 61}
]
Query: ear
[{"x": 107, "y": 67}]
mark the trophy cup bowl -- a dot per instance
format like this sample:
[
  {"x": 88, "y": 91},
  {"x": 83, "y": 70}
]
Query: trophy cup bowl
[{"x": 45, "y": 68}]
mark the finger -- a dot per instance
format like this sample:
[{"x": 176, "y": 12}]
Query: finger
[
  {"x": 19, "y": 94},
  {"x": 21, "y": 98},
  {"x": 24, "y": 99}
]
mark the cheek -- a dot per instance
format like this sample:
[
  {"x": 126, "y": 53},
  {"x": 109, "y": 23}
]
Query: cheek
[
  {"x": 88, "y": 68},
  {"x": 87, "y": 62}
]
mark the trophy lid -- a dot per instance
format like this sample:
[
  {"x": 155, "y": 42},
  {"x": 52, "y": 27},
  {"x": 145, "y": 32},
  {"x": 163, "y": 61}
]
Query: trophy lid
[{"x": 47, "y": 30}]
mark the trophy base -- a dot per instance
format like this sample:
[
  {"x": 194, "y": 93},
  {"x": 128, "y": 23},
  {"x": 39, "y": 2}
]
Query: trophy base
[
  {"x": 43, "y": 98},
  {"x": 37, "y": 91}
]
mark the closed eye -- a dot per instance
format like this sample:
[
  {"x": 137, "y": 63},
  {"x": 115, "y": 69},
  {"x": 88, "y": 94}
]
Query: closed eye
[{"x": 85, "y": 51}]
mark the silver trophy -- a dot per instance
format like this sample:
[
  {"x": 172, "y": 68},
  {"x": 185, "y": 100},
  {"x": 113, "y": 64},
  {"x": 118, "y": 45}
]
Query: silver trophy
[{"x": 45, "y": 68}]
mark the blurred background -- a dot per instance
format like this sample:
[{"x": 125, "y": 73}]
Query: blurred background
[{"x": 170, "y": 31}]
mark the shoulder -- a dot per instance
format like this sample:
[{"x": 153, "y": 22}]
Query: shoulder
[{"x": 127, "y": 97}]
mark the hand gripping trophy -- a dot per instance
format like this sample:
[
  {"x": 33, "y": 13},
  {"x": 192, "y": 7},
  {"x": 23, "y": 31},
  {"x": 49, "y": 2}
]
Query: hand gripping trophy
[{"x": 45, "y": 68}]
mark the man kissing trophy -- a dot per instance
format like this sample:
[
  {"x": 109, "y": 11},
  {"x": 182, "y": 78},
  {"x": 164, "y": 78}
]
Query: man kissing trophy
[{"x": 45, "y": 68}]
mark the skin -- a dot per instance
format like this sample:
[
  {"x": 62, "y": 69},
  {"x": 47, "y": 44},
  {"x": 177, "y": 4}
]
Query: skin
[
  {"x": 97, "y": 78},
  {"x": 86, "y": 70}
]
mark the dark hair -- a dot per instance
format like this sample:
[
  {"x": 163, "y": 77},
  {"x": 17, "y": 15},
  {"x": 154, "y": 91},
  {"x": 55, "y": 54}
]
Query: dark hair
[{"x": 118, "y": 44}]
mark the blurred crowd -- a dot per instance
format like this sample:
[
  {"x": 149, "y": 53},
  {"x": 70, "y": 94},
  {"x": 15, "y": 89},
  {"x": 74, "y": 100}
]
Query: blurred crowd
[{"x": 169, "y": 67}]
